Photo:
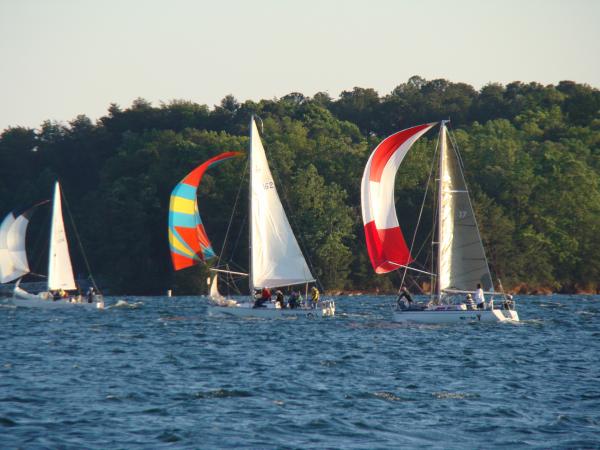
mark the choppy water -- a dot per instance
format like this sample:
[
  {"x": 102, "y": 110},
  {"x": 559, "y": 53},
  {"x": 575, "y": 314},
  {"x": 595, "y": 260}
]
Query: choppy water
[{"x": 157, "y": 372}]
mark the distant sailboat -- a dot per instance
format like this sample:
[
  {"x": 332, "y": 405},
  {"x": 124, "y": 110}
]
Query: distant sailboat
[
  {"x": 60, "y": 270},
  {"x": 461, "y": 260}
]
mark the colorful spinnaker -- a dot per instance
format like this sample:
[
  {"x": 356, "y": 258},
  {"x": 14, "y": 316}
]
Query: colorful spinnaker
[
  {"x": 187, "y": 237},
  {"x": 385, "y": 242}
]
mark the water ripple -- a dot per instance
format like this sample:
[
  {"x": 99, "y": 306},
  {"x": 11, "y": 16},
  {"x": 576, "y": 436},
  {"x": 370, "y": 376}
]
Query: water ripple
[{"x": 158, "y": 372}]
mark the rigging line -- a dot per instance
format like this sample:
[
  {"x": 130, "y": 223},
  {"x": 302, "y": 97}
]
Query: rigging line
[
  {"x": 237, "y": 197},
  {"x": 454, "y": 144},
  {"x": 237, "y": 241},
  {"x": 37, "y": 245},
  {"x": 425, "y": 241},
  {"x": 421, "y": 210},
  {"x": 85, "y": 260}
]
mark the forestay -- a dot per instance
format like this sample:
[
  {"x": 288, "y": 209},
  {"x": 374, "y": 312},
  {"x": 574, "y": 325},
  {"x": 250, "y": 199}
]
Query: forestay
[
  {"x": 60, "y": 270},
  {"x": 275, "y": 254},
  {"x": 462, "y": 262}
]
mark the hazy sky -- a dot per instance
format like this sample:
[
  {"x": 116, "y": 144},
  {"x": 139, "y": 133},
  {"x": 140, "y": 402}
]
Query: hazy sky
[{"x": 61, "y": 58}]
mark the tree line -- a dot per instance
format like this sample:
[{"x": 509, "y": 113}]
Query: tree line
[{"x": 531, "y": 154}]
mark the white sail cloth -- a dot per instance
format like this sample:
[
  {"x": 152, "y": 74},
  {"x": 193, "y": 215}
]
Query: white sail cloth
[
  {"x": 462, "y": 261},
  {"x": 60, "y": 270},
  {"x": 13, "y": 259},
  {"x": 276, "y": 256}
]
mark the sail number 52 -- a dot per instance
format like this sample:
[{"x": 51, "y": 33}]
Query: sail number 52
[{"x": 268, "y": 185}]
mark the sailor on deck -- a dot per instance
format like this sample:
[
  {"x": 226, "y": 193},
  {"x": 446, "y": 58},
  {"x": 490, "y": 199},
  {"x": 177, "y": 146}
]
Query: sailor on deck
[
  {"x": 479, "y": 297},
  {"x": 314, "y": 293},
  {"x": 406, "y": 295}
]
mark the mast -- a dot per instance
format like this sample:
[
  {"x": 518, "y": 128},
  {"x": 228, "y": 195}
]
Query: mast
[
  {"x": 441, "y": 174},
  {"x": 250, "y": 222}
]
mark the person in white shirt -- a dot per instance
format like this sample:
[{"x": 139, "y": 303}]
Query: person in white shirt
[{"x": 479, "y": 297}]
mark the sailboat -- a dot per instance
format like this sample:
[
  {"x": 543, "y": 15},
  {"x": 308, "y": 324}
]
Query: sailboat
[
  {"x": 461, "y": 264},
  {"x": 276, "y": 260},
  {"x": 60, "y": 270}
]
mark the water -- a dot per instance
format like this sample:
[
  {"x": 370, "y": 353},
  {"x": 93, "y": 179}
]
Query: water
[{"x": 157, "y": 372}]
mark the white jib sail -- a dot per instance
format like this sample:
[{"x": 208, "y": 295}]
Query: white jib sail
[
  {"x": 214, "y": 289},
  {"x": 276, "y": 256},
  {"x": 462, "y": 261},
  {"x": 60, "y": 270}
]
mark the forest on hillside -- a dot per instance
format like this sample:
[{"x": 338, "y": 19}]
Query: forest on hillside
[{"x": 531, "y": 155}]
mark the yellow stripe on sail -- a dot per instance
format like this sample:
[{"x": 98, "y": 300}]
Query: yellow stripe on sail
[
  {"x": 177, "y": 244},
  {"x": 182, "y": 205}
]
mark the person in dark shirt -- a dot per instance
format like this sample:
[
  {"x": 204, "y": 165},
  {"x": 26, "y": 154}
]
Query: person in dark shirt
[
  {"x": 404, "y": 294},
  {"x": 294, "y": 299},
  {"x": 265, "y": 296},
  {"x": 279, "y": 299}
]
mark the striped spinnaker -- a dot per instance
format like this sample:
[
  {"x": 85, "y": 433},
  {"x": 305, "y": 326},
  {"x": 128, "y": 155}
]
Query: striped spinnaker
[{"x": 187, "y": 237}]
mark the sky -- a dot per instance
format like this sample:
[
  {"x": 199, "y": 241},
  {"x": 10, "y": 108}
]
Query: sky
[{"x": 62, "y": 58}]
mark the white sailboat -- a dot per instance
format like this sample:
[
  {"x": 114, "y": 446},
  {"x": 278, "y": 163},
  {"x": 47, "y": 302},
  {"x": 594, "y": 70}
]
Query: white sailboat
[
  {"x": 60, "y": 270},
  {"x": 276, "y": 260},
  {"x": 459, "y": 253}
]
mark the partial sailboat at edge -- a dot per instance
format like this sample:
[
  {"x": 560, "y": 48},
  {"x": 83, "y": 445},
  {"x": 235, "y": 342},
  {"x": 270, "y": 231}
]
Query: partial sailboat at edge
[{"x": 61, "y": 281}]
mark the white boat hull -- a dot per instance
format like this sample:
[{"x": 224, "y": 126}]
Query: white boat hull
[
  {"x": 22, "y": 298},
  {"x": 271, "y": 312},
  {"x": 458, "y": 316}
]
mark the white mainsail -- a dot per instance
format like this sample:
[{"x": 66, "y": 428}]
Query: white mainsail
[
  {"x": 276, "y": 259},
  {"x": 461, "y": 258},
  {"x": 60, "y": 270}
]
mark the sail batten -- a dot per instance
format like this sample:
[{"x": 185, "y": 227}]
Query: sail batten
[
  {"x": 276, "y": 258},
  {"x": 188, "y": 240}
]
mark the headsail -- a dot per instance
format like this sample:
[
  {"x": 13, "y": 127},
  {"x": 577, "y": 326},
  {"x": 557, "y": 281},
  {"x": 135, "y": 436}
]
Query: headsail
[
  {"x": 13, "y": 257},
  {"x": 462, "y": 262},
  {"x": 60, "y": 270},
  {"x": 276, "y": 258},
  {"x": 385, "y": 242},
  {"x": 187, "y": 237}
]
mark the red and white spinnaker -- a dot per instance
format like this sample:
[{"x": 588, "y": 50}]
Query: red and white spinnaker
[{"x": 385, "y": 242}]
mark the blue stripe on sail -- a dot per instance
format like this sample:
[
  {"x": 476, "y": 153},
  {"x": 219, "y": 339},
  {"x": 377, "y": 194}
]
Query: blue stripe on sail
[
  {"x": 178, "y": 219},
  {"x": 185, "y": 191},
  {"x": 208, "y": 252}
]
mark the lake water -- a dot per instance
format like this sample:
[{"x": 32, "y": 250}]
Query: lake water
[{"x": 157, "y": 372}]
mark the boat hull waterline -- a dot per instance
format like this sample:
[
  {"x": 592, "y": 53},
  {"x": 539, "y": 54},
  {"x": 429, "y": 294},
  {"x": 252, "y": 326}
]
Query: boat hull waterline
[
  {"x": 22, "y": 298},
  {"x": 247, "y": 310},
  {"x": 461, "y": 316}
]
